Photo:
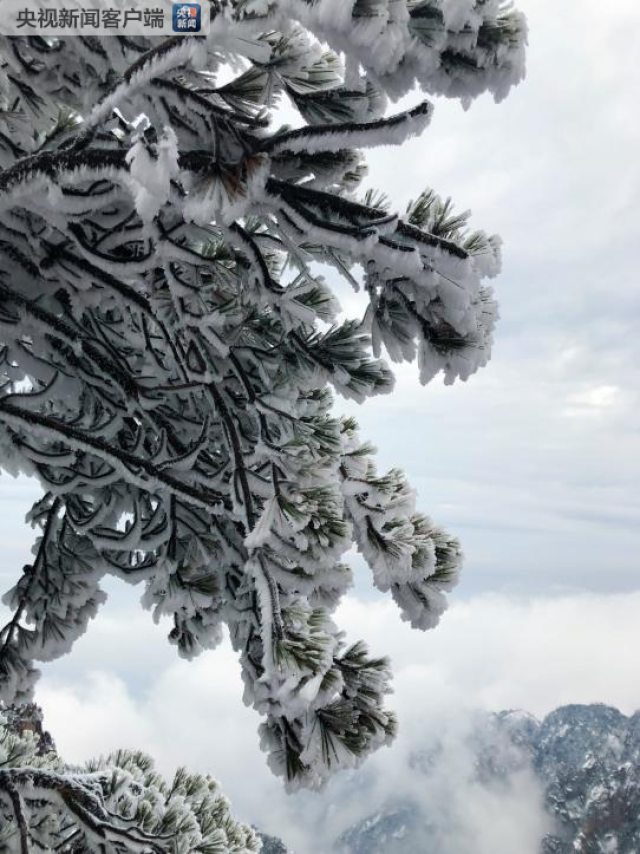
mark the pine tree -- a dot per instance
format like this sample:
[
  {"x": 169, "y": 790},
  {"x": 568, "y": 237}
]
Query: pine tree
[
  {"x": 171, "y": 343},
  {"x": 118, "y": 804}
]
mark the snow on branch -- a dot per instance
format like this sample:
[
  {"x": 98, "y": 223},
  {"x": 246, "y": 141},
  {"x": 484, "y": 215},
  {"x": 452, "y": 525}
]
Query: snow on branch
[
  {"x": 170, "y": 345},
  {"x": 115, "y": 804},
  {"x": 389, "y": 131},
  {"x": 457, "y": 48}
]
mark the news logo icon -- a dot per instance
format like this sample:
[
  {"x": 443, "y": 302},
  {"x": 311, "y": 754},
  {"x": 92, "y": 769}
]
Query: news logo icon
[{"x": 186, "y": 18}]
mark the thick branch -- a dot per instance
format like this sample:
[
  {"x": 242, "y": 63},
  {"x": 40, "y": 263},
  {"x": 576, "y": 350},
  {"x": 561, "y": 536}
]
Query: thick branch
[
  {"x": 80, "y": 440},
  {"x": 18, "y": 811}
]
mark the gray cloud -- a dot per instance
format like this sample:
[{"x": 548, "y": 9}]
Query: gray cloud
[{"x": 535, "y": 462}]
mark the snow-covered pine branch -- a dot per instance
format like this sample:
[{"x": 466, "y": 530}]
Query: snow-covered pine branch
[
  {"x": 169, "y": 352},
  {"x": 117, "y": 804},
  {"x": 458, "y": 48}
]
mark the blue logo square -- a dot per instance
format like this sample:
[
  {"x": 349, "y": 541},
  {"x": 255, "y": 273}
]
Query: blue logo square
[{"x": 186, "y": 18}]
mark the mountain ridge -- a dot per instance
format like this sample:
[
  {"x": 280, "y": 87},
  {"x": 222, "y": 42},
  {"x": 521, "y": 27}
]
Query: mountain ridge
[{"x": 585, "y": 757}]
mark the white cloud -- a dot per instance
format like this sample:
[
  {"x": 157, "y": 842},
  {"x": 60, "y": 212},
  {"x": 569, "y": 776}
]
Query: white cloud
[
  {"x": 592, "y": 402},
  {"x": 491, "y": 652},
  {"x": 600, "y": 397}
]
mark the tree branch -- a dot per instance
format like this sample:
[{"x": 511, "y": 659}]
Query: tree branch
[{"x": 82, "y": 441}]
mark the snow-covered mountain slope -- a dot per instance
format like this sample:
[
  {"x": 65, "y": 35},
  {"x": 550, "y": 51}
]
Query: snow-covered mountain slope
[
  {"x": 588, "y": 758},
  {"x": 272, "y": 845},
  {"x": 585, "y": 759}
]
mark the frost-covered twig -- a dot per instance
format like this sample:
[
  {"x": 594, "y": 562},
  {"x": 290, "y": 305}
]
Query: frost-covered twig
[{"x": 170, "y": 347}]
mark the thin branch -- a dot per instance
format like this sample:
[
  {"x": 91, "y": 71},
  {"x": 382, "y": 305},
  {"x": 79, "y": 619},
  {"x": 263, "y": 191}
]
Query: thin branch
[{"x": 9, "y": 629}]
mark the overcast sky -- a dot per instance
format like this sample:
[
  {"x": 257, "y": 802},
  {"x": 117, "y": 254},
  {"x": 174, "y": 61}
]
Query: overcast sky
[{"x": 535, "y": 463}]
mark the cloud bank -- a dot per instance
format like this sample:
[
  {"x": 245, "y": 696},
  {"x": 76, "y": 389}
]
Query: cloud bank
[{"x": 123, "y": 687}]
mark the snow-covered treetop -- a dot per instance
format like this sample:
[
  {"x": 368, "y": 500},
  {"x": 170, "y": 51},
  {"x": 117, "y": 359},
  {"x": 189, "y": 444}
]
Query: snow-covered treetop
[
  {"x": 117, "y": 804},
  {"x": 170, "y": 345}
]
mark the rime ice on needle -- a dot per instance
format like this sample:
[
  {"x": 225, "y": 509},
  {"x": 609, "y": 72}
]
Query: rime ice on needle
[
  {"x": 167, "y": 369},
  {"x": 117, "y": 804}
]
